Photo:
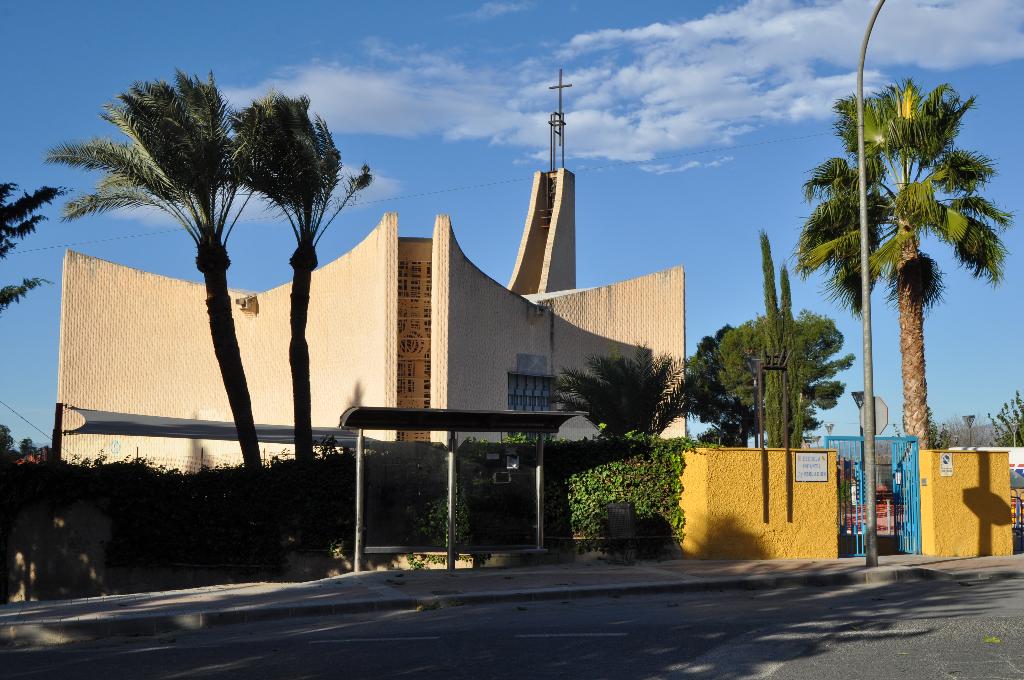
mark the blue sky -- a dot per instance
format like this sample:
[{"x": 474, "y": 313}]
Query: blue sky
[{"x": 690, "y": 127}]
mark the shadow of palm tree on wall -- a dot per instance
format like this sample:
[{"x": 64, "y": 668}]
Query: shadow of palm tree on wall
[{"x": 987, "y": 505}]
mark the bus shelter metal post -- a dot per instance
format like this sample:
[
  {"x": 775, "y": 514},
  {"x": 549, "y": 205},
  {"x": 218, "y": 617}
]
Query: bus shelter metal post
[
  {"x": 357, "y": 560},
  {"x": 540, "y": 490},
  {"x": 452, "y": 553},
  {"x": 56, "y": 441}
]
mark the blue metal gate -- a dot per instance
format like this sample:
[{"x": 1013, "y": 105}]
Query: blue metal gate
[{"x": 898, "y": 502}]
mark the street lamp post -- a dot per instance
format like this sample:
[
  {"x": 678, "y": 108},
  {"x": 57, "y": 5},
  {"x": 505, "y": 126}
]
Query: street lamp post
[
  {"x": 858, "y": 399},
  {"x": 754, "y": 364},
  {"x": 969, "y": 422},
  {"x": 871, "y": 540}
]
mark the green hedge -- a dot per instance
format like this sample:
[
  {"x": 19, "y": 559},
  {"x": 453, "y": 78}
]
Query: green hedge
[
  {"x": 217, "y": 517},
  {"x": 582, "y": 477},
  {"x": 241, "y": 518}
]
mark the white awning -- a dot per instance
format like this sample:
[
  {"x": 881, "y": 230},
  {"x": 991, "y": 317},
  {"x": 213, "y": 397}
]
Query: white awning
[{"x": 131, "y": 424}]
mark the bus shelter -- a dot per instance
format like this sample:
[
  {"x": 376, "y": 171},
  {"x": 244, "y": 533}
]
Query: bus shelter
[{"x": 469, "y": 494}]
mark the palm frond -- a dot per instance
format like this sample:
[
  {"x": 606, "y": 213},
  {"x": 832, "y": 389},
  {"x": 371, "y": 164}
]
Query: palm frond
[
  {"x": 291, "y": 158},
  {"x": 177, "y": 157},
  {"x": 642, "y": 393},
  {"x": 929, "y": 277},
  {"x": 918, "y": 182}
]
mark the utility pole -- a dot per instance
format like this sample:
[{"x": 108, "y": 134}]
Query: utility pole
[{"x": 871, "y": 540}]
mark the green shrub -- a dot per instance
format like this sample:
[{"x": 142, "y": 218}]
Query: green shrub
[
  {"x": 585, "y": 477},
  {"x": 217, "y": 517}
]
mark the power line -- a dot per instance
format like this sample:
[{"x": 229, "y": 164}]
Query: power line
[
  {"x": 465, "y": 187},
  {"x": 26, "y": 420},
  {"x": 99, "y": 240}
]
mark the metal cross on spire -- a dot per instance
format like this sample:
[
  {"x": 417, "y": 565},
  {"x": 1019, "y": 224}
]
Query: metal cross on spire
[{"x": 557, "y": 122}]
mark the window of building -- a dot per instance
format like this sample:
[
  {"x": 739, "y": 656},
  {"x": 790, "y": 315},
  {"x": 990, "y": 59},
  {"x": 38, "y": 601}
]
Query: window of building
[{"x": 529, "y": 392}]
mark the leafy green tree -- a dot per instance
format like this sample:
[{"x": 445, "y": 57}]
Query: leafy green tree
[
  {"x": 6, "y": 440},
  {"x": 179, "y": 159},
  {"x": 820, "y": 344},
  {"x": 643, "y": 393},
  {"x": 26, "y": 447},
  {"x": 292, "y": 160},
  {"x": 708, "y": 399},
  {"x": 919, "y": 184},
  {"x": 18, "y": 219},
  {"x": 939, "y": 436},
  {"x": 1009, "y": 422},
  {"x": 777, "y": 329}
]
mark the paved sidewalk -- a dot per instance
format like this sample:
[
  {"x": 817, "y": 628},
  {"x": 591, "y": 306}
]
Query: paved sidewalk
[{"x": 64, "y": 621}]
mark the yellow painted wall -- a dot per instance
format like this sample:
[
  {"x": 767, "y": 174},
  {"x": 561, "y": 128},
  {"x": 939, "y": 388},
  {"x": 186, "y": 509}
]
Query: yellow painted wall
[
  {"x": 968, "y": 513},
  {"x": 740, "y": 504}
]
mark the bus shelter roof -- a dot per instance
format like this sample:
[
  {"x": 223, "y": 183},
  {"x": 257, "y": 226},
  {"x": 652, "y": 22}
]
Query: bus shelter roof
[{"x": 453, "y": 420}]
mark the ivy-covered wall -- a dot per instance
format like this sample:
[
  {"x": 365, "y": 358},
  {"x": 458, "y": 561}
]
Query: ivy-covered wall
[
  {"x": 231, "y": 517},
  {"x": 583, "y": 477}
]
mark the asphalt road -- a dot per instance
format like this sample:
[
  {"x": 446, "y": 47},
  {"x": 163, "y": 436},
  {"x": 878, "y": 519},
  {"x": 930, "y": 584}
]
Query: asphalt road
[{"x": 932, "y": 630}]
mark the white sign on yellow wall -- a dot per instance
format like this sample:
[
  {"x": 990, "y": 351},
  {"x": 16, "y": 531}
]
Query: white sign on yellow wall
[
  {"x": 946, "y": 464},
  {"x": 812, "y": 467}
]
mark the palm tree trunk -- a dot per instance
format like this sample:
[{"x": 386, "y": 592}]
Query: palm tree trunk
[
  {"x": 213, "y": 262},
  {"x": 303, "y": 263},
  {"x": 910, "y": 297}
]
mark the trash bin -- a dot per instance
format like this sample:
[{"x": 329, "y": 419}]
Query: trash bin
[{"x": 622, "y": 530}]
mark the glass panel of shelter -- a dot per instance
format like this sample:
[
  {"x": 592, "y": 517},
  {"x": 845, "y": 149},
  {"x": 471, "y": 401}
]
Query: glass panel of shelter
[
  {"x": 406, "y": 494},
  {"x": 496, "y": 503}
]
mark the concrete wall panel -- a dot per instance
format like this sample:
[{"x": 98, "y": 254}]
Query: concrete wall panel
[{"x": 135, "y": 342}]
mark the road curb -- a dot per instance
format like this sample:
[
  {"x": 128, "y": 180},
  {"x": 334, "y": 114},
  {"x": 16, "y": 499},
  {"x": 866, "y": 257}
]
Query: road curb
[{"x": 60, "y": 632}]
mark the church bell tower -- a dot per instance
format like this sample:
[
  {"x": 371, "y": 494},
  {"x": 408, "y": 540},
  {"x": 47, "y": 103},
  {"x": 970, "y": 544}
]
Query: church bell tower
[{"x": 547, "y": 252}]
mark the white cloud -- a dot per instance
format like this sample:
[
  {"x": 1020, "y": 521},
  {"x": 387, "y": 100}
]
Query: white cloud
[
  {"x": 492, "y": 10},
  {"x": 653, "y": 90},
  {"x": 665, "y": 168}
]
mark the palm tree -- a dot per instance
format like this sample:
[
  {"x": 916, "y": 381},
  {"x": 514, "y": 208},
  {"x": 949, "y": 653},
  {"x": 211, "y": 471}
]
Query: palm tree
[
  {"x": 919, "y": 184},
  {"x": 179, "y": 160},
  {"x": 292, "y": 161},
  {"x": 643, "y": 393}
]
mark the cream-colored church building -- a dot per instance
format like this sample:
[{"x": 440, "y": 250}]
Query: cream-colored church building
[{"x": 396, "y": 321}]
